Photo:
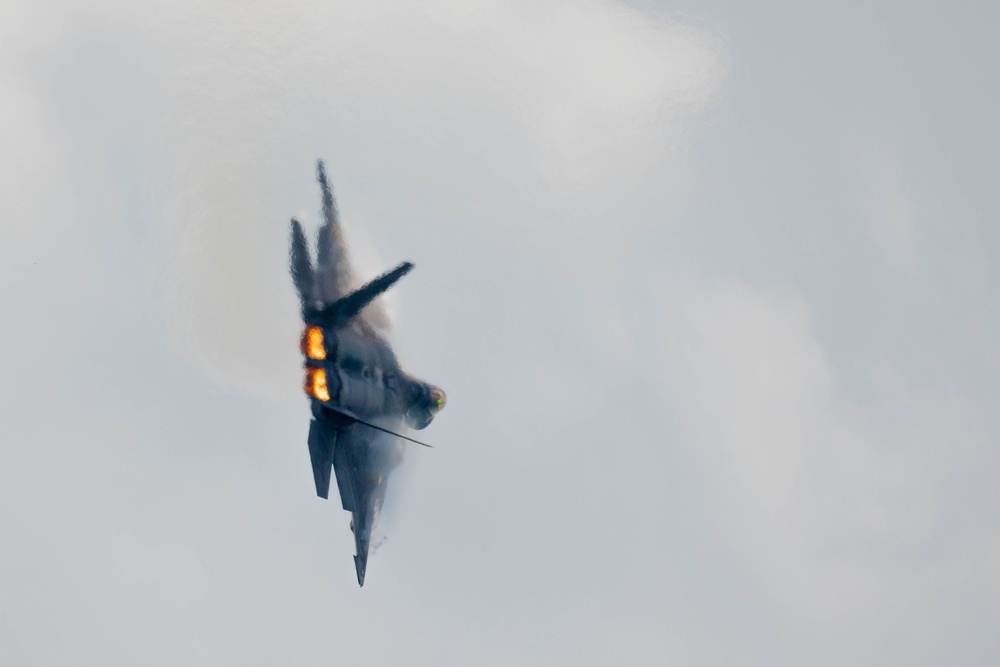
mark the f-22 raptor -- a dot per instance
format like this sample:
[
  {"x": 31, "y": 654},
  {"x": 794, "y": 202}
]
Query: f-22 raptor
[{"x": 361, "y": 398}]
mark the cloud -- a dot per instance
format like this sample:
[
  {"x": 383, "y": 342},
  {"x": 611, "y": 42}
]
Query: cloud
[
  {"x": 889, "y": 211},
  {"x": 838, "y": 510},
  {"x": 562, "y": 105},
  {"x": 777, "y": 505}
]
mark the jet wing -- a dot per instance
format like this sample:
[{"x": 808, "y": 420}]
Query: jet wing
[
  {"x": 344, "y": 463},
  {"x": 362, "y": 460},
  {"x": 322, "y": 443},
  {"x": 361, "y": 455}
]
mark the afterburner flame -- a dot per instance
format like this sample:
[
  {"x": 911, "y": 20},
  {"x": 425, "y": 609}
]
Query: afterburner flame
[
  {"x": 312, "y": 343},
  {"x": 316, "y": 384}
]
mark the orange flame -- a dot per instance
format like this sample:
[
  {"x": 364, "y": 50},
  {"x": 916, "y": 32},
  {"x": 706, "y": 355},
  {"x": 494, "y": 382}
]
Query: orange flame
[
  {"x": 316, "y": 384},
  {"x": 312, "y": 343}
]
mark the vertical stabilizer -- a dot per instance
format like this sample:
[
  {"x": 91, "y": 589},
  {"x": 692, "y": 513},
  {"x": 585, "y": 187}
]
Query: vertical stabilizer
[
  {"x": 300, "y": 265},
  {"x": 333, "y": 267}
]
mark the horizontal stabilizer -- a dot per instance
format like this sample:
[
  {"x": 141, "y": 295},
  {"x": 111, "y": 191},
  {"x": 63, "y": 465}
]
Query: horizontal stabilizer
[{"x": 322, "y": 439}]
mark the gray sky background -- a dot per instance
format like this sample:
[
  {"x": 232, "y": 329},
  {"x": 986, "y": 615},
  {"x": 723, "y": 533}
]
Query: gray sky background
[{"x": 709, "y": 286}]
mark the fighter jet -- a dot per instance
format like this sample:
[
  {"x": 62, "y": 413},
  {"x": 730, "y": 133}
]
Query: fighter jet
[{"x": 361, "y": 398}]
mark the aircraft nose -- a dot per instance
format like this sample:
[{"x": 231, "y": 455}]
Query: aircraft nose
[{"x": 437, "y": 400}]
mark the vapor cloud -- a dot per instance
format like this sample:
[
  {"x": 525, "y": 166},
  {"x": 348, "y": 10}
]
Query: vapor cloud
[
  {"x": 714, "y": 307},
  {"x": 448, "y": 94},
  {"x": 843, "y": 513}
]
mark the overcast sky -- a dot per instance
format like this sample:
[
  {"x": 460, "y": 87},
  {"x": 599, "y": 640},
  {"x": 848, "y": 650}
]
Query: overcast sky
[{"x": 710, "y": 285}]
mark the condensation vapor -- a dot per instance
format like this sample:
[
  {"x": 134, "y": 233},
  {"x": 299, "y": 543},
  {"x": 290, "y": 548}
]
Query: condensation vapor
[{"x": 572, "y": 105}]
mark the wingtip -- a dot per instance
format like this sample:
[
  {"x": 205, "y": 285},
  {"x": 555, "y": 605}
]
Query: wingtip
[
  {"x": 401, "y": 270},
  {"x": 329, "y": 205},
  {"x": 359, "y": 566}
]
